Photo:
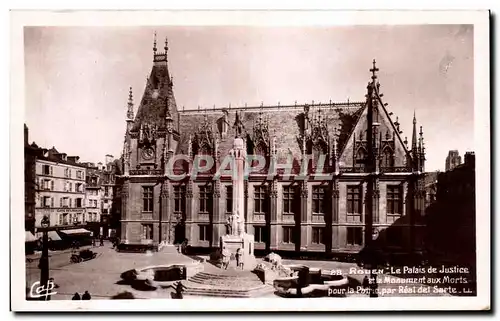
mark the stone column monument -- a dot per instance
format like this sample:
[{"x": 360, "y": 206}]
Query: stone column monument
[{"x": 238, "y": 241}]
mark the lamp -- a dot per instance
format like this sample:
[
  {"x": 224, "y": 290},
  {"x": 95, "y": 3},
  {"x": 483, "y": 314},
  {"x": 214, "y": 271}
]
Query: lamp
[{"x": 44, "y": 259}]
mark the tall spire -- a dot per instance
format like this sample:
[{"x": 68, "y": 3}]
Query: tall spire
[
  {"x": 414, "y": 135},
  {"x": 130, "y": 105},
  {"x": 374, "y": 70},
  {"x": 421, "y": 140},
  {"x": 154, "y": 44}
]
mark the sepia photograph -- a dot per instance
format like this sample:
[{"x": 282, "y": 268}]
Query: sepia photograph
[{"x": 306, "y": 165}]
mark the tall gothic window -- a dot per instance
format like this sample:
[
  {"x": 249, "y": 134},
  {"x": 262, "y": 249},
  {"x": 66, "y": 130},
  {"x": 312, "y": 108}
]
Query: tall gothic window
[
  {"x": 260, "y": 233},
  {"x": 204, "y": 150},
  {"x": 361, "y": 157},
  {"x": 260, "y": 150},
  {"x": 318, "y": 235},
  {"x": 147, "y": 198},
  {"x": 318, "y": 150},
  {"x": 318, "y": 200},
  {"x": 179, "y": 199},
  {"x": 205, "y": 232},
  {"x": 353, "y": 199},
  {"x": 205, "y": 203},
  {"x": 394, "y": 200},
  {"x": 260, "y": 197},
  {"x": 288, "y": 199},
  {"x": 387, "y": 159},
  {"x": 354, "y": 236},
  {"x": 288, "y": 234}
]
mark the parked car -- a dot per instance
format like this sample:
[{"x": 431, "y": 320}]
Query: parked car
[{"x": 83, "y": 255}]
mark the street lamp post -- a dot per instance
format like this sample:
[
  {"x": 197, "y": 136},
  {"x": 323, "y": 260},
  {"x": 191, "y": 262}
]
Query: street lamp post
[{"x": 44, "y": 259}]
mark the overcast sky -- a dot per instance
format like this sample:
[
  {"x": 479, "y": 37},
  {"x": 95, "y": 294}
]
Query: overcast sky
[{"x": 77, "y": 79}]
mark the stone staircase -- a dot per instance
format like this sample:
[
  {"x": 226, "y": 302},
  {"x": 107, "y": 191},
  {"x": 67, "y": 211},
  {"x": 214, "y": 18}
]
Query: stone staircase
[{"x": 227, "y": 283}]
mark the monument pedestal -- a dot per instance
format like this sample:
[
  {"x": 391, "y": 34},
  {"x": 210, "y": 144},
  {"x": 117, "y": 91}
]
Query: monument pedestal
[{"x": 244, "y": 242}]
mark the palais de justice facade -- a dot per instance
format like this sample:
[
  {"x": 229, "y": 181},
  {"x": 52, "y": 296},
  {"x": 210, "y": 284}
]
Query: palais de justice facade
[{"x": 295, "y": 213}]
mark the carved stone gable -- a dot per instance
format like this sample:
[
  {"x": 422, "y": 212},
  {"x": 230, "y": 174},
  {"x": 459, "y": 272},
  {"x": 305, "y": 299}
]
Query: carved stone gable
[
  {"x": 204, "y": 138},
  {"x": 319, "y": 130},
  {"x": 238, "y": 127},
  {"x": 260, "y": 135}
]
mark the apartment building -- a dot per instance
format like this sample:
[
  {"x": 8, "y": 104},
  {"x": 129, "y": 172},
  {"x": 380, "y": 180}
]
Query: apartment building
[{"x": 60, "y": 182}]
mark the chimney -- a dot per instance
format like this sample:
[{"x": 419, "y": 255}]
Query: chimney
[
  {"x": 62, "y": 156},
  {"x": 73, "y": 159}
]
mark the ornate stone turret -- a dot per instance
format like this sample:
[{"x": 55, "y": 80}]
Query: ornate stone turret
[
  {"x": 421, "y": 151},
  {"x": 130, "y": 107},
  {"x": 151, "y": 138},
  {"x": 417, "y": 148}
]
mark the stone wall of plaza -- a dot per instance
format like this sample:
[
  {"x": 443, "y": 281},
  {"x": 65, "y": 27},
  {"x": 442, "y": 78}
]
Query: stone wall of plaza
[{"x": 61, "y": 192}]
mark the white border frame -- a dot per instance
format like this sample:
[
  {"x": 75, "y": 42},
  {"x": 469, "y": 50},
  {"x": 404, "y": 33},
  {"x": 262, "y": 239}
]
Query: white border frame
[{"x": 480, "y": 20}]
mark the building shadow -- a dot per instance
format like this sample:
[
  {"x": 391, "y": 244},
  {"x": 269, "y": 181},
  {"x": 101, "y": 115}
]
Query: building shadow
[
  {"x": 139, "y": 285},
  {"x": 444, "y": 237}
]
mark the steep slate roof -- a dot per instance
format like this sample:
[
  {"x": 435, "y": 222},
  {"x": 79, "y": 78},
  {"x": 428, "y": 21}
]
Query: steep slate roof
[
  {"x": 153, "y": 106},
  {"x": 283, "y": 124}
]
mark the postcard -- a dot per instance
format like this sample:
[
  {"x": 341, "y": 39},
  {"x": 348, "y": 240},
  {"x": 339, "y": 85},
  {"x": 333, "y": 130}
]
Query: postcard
[{"x": 250, "y": 160}]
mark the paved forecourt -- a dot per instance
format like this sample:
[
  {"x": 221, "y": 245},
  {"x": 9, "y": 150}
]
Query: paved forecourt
[{"x": 101, "y": 275}]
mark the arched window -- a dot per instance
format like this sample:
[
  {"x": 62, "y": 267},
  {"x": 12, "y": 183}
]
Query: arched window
[
  {"x": 319, "y": 150},
  {"x": 260, "y": 151},
  {"x": 387, "y": 158},
  {"x": 204, "y": 150},
  {"x": 361, "y": 157}
]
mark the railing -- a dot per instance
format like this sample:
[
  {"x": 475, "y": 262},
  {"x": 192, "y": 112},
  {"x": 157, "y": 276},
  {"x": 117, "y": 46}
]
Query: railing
[
  {"x": 352, "y": 170},
  {"x": 267, "y": 108},
  {"x": 146, "y": 172},
  {"x": 393, "y": 169}
]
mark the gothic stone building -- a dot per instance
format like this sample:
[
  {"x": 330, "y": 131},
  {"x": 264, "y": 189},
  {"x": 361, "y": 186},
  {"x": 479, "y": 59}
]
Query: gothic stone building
[{"x": 375, "y": 178}]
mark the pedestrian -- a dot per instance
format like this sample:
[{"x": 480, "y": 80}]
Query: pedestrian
[
  {"x": 225, "y": 258},
  {"x": 86, "y": 296},
  {"x": 102, "y": 242},
  {"x": 55, "y": 285},
  {"x": 93, "y": 241},
  {"x": 239, "y": 261},
  {"x": 76, "y": 296},
  {"x": 179, "y": 289}
]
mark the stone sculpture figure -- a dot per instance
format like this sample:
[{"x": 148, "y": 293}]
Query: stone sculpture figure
[
  {"x": 235, "y": 228},
  {"x": 240, "y": 224},
  {"x": 229, "y": 225}
]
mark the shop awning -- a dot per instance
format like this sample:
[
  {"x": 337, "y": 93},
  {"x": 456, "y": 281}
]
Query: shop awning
[
  {"x": 29, "y": 237},
  {"x": 76, "y": 231},
  {"x": 53, "y": 236}
]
